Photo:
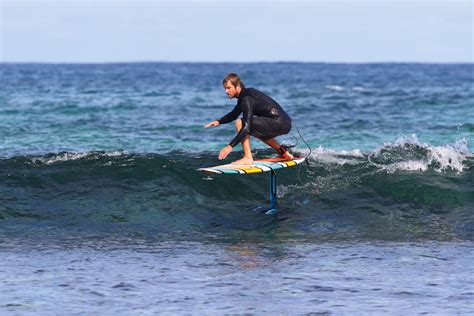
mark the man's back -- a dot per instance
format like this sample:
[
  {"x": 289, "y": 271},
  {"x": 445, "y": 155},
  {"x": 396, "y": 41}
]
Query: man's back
[{"x": 262, "y": 104}]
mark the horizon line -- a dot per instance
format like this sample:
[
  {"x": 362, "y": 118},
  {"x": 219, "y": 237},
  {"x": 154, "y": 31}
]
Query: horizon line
[{"x": 234, "y": 62}]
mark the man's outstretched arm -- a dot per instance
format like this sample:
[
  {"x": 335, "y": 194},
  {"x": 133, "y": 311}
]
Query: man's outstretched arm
[{"x": 232, "y": 115}]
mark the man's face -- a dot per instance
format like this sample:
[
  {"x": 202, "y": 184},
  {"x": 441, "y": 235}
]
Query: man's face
[{"x": 231, "y": 91}]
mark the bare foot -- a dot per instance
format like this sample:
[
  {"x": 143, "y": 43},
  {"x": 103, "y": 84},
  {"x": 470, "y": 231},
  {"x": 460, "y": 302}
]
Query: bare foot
[
  {"x": 243, "y": 161},
  {"x": 288, "y": 156}
]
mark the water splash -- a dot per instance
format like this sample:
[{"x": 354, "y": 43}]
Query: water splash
[{"x": 407, "y": 153}]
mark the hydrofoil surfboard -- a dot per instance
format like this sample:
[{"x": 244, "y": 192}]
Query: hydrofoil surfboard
[{"x": 262, "y": 165}]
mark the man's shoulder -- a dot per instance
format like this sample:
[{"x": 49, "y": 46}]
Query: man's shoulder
[{"x": 251, "y": 92}]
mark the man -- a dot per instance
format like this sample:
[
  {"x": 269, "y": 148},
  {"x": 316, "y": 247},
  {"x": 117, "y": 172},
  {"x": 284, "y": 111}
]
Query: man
[{"x": 262, "y": 117}]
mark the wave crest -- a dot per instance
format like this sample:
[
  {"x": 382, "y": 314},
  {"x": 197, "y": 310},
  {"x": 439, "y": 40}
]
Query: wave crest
[
  {"x": 72, "y": 156},
  {"x": 407, "y": 153}
]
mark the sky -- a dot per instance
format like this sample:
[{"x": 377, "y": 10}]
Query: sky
[{"x": 236, "y": 31}]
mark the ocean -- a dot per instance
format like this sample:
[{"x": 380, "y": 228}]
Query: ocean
[{"x": 102, "y": 210}]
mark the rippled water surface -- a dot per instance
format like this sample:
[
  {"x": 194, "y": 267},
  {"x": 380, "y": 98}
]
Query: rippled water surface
[{"x": 239, "y": 278}]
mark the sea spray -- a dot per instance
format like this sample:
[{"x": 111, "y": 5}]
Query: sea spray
[{"x": 409, "y": 154}]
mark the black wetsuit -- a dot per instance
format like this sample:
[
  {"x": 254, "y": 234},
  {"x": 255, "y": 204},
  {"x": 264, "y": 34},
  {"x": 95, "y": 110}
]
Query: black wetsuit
[{"x": 262, "y": 116}]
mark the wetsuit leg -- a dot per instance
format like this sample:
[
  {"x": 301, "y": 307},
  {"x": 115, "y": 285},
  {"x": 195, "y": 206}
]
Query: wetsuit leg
[{"x": 265, "y": 127}]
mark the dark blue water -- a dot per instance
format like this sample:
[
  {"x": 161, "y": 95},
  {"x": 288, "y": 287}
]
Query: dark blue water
[{"x": 102, "y": 209}]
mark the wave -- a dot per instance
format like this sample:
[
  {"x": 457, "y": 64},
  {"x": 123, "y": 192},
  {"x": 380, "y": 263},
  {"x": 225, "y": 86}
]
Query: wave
[
  {"x": 401, "y": 190},
  {"x": 408, "y": 153}
]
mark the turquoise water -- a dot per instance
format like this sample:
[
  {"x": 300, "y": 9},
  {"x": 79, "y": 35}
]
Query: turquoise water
[{"x": 102, "y": 209}]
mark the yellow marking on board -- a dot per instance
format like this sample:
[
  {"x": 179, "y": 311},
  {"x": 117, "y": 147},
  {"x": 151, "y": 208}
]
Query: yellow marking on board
[
  {"x": 289, "y": 163},
  {"x": 250, "y": 169}
]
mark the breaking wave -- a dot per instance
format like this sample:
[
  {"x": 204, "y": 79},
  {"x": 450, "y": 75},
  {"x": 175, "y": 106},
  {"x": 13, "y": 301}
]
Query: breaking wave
[{"x": 401, "y": 190}]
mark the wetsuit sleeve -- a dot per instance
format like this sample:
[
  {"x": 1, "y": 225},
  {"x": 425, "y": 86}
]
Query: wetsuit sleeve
[
  {"x": 232, "y": 115},
  {"x": 247, "y": 106}
]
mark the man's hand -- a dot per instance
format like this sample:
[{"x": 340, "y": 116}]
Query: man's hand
[
  {"x": 225, "y": 151},
  {"x": 211, "y": 124}
]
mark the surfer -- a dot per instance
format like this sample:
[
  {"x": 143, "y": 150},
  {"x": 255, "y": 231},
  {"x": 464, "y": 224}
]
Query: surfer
[{"x": 262, "y": 117}]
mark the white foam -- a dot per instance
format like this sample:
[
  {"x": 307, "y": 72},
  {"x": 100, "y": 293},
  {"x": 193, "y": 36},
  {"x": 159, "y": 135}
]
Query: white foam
[
  {"x": 411, "y": 165},
  {"x": 450, "y": 157},
  {"x": 71, "y": 156},
  {"x": 339, "y": 157},
  {"x": 335, "y": 88},
  {"x": 407, "y": 153},
  {"x": 438, "y": 158}
]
